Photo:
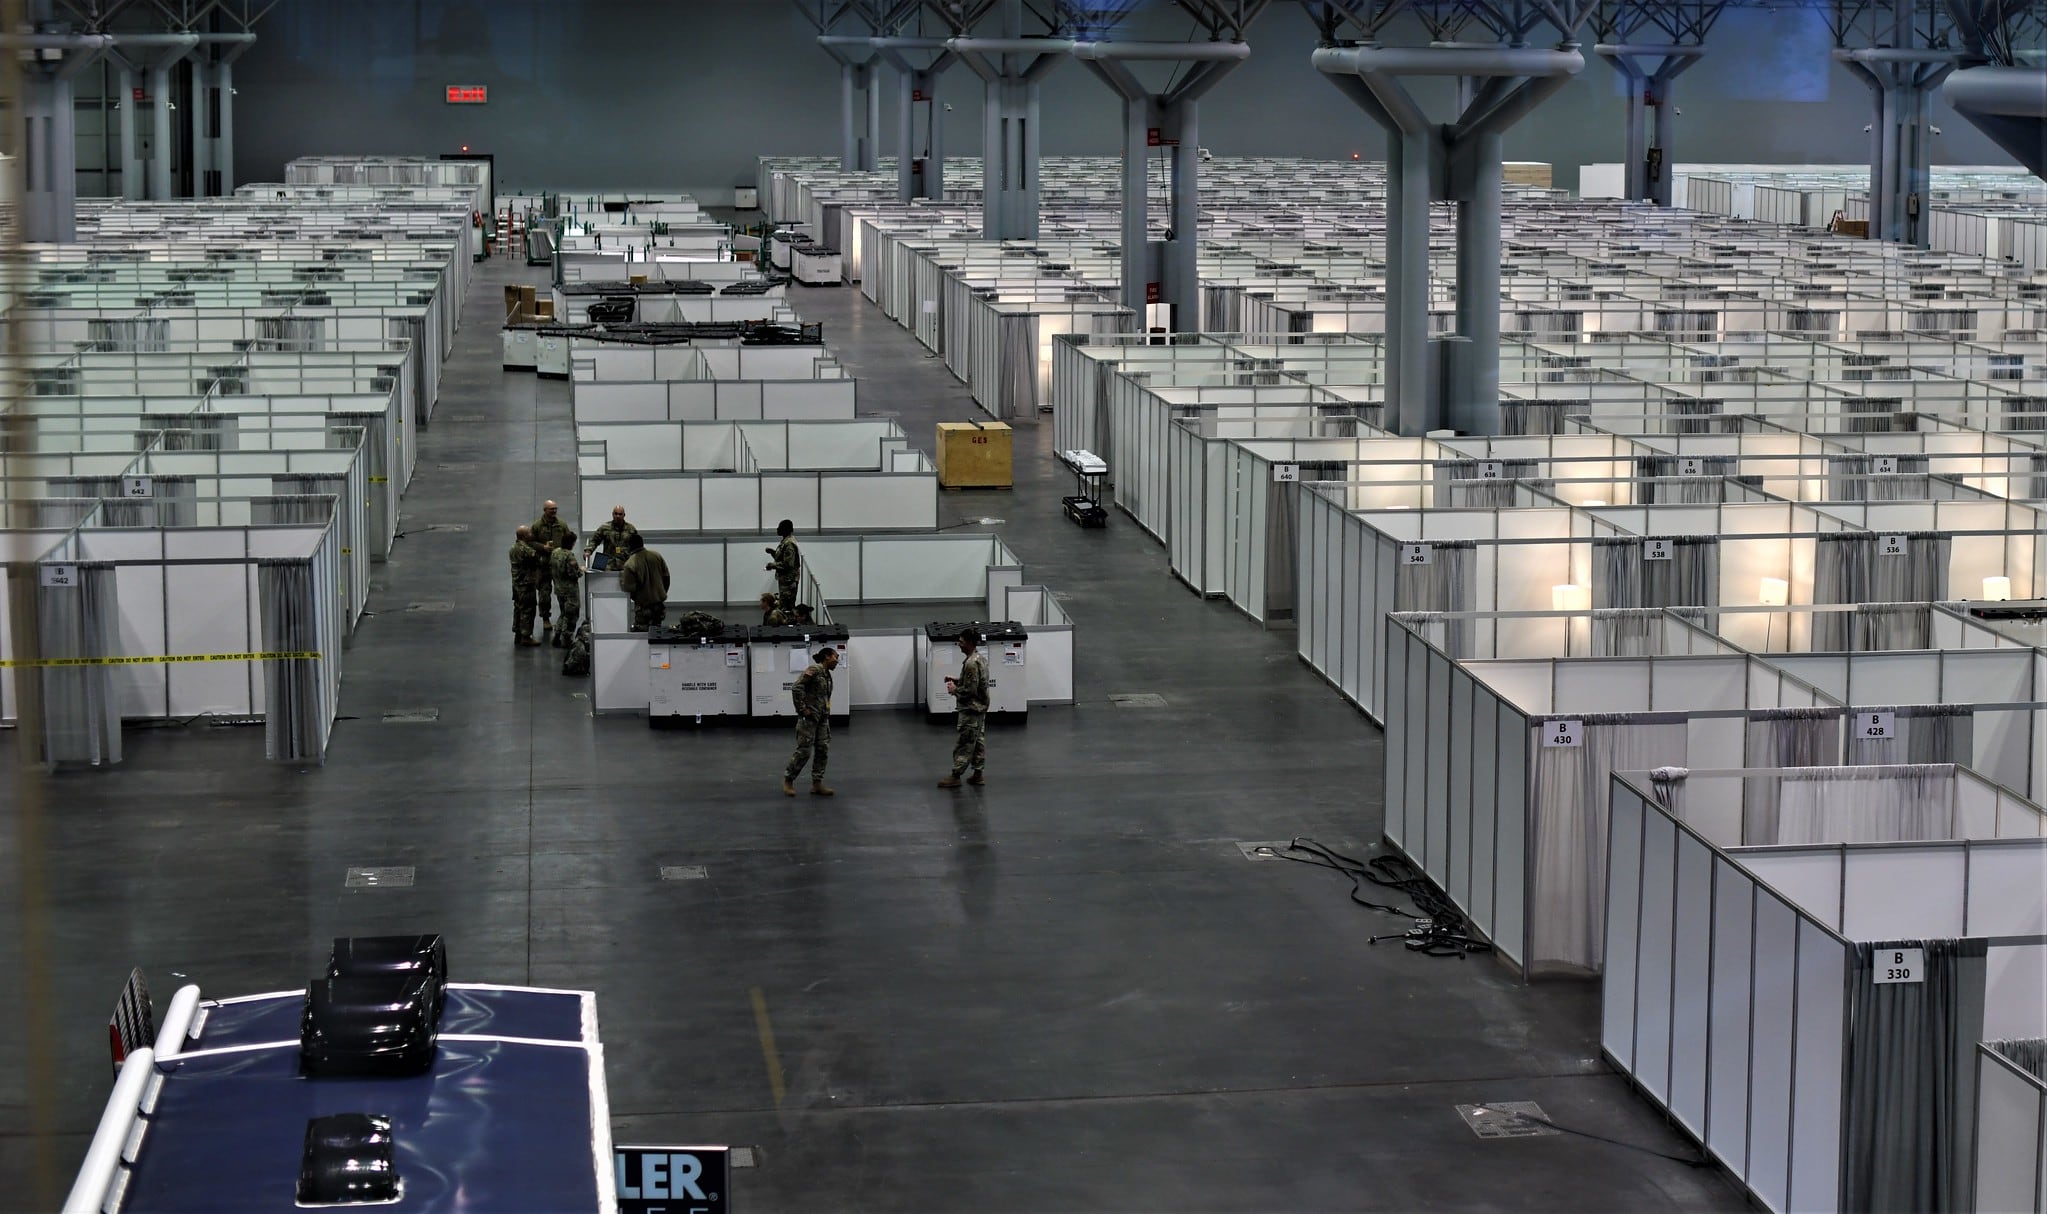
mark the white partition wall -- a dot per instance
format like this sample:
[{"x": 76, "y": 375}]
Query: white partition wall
[
  {"x": 1496, "y": 769},
  {"x": 2010, "y": 1160},
  {"x": 1792, "y": 1008}
]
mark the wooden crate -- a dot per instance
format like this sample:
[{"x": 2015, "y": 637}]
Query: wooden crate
[
  {"x": 1526, "y": 172},
  {"x": 974, "y": 455}
]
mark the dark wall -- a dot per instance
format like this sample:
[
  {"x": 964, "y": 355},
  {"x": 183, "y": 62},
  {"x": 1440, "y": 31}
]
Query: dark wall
[{"x": 683, "y": 94}]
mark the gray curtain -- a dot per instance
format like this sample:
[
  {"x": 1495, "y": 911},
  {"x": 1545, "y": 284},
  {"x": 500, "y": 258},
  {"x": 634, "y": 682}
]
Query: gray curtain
[
  {"x": 1848, "y": 567},
  {"x": 1668, "y": 786},
  {"x": 291, "y": 509},
  {"x": 1017, "y": 387},
  {"x": 1779, "y": 738},
  {"x": 2021, "y": 412},
  {"x": 2028, "y": 1054},
  {"x": 176, "y": 503},
  {"x": 2038, "y": 487},
  {"x": 81, "y": 715},
  {"x": 1925, "y": 733},
  {"x": 1671, "y": 485},
  {"x": 1540, "y": 416},
  {"x": 52, "y": 512},
  {"x": 1870, "y": 414},
  {"x": 1861, "y": 805},
  {"x": 115, "y": 511},
  {"x": 1567, "y": 878},
  {"x": 1911, "y": 1092},
  {"x": 1853, "y": 478},
  {"x": 1693, "y": 414},
  {"x": 1622, "y": 577},
  {"x": 1627, "y": 632},
  {"x": 294, "y": 713},
  {"x": 138, "y": 334},
  {"x": 1444, "y": 584},
  {"x": 1883, "y": 626},
  {"x": 299, "y": 333}
]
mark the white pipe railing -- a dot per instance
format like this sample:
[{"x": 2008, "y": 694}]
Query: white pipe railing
[{"x": 117, "y": 1125}]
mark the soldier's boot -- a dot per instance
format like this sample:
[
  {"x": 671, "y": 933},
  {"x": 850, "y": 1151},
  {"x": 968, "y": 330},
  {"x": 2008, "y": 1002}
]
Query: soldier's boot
[
  {"x": 976, "y": 778},
  {"x": 818, "y": 789},
  {"x": 788, "y": 787},
  {"x": 525, "y": 641},
  {"x": 952, "y": 781}
]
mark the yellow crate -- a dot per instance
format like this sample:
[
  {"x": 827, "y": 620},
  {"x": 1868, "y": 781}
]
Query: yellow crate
[{"x": 974, "y": 455}]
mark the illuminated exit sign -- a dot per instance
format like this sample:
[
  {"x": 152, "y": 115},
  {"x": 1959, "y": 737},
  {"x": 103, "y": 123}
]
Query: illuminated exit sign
[{"x": 468, "y": 94}]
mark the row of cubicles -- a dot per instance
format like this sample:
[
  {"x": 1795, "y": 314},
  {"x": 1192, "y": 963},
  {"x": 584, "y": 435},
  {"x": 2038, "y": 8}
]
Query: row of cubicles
[{"x": 221, "y": 407}]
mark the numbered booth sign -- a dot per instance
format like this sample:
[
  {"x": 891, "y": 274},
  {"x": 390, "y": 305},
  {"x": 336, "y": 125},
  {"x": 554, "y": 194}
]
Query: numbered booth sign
[
  {"x": 138, "y": 486},
  {"x": 1491, "y": 470},
  {"x": 1656, "y": 550},
  {"x": 1890, "y": 545},
  {"x": 1286, "y": 474},
  {"x": 1566, "y": 731},
  {"x": 1899, "y": 965},
  {"x": 58, "y": 576},
  {"x": 1876, "y": 726},
  {"x": 1691, "y": 465},
  {"x": 1884, "y": 465},
  {"x": 1417, "y": 554}
]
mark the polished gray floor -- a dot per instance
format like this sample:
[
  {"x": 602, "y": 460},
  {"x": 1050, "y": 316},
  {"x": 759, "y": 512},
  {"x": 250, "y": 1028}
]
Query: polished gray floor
[{"x": 1065, "y": 991}]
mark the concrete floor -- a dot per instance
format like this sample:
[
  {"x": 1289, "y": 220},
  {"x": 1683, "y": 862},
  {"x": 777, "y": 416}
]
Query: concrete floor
[{"x": 1068, "y": 990}]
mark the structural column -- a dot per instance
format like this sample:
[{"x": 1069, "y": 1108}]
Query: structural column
[
  {"x": 1010, "y": 68},
  {"x": 1165, "y": 125},
  {"x": 131, "y": 162},
  {"x": 1453, "y": 383},
  {"x": 1649, "y": 155},
  {"x": 917, "y": 176}
]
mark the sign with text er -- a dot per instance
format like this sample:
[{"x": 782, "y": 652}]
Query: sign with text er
[
  {"x": 468, "y": 94},
  {"x": 673, "y": 1180}
]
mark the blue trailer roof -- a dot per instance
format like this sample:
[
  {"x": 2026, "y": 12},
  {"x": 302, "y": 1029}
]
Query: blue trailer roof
[{"x": 511, "y": 1117}]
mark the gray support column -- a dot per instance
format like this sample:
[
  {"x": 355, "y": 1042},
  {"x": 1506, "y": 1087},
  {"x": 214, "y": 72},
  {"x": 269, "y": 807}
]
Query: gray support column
[
  {"x": 870, "y": 135},
  {"x": 1009, "y": 120},
  {"x": 849, "y": 146},
  {"x": 1458, "y": 162},
  {"x": 160, "y": 119},
  {"x": 1650, "y": 132},
  {"x": 48, "y": 135},
  {"x": 131, "y": 164},
  {"x": 224, "y": 147}
]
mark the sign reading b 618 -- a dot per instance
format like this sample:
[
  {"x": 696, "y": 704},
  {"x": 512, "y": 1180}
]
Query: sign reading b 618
[{"x": 468, "y": 94}]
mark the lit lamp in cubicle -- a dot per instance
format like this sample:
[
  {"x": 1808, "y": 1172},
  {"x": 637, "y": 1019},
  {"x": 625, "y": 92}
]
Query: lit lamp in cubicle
[
  {"x": 1773, "y": 592},
  {"x": 1996, "y": 589}
]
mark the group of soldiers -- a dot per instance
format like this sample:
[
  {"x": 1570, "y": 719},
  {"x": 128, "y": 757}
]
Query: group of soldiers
[
  {"x": 547, "y": 573},
  {"x": 812, "y": 694}
]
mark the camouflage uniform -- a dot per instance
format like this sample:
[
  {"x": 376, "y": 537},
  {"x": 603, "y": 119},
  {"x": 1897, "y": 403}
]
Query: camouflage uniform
[
  {"x": 812, "y": 693},
  {"x": 528, "y": 567},
  {"x": 970, "y": 694},
  {"x": 645, "y": 581},
  {"x": 558, "y": 534},
  {"x": 788, "y": 569},
  {"x": 567, "y": 577},
  {"x": 611, "y": 539}
]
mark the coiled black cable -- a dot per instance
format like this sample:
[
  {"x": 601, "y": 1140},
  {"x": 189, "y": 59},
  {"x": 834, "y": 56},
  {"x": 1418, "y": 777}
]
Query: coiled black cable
[{"x": 1440, "y": 928}]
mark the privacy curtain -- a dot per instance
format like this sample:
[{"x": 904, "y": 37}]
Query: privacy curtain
[
  {"x": 1567, "y": 878},
  {"x": 1673, "y": 485},
  {"x": 1876, "y": 627},
  {"x": 294, "y": 711},
  {"x": 1920, "y": 733},
  {"x": 81, "y": 715},
  {"x": 1444, "y": 584},
  {"x": 1017, "y": 391},
  {"x": 1627, "y": 632},
  {"x": 1853, "y": 478},
  {"x": 1622, "y": 575},
  {"x": 1850, "y": 805},
  {"x": 1458, "y": 481},
  {"x": 1540, "y": 416},
  {"x": 1911, "y": 1092},
  {"x": 1782, "y": 738},
  {"x": 1851, "y": 567}
]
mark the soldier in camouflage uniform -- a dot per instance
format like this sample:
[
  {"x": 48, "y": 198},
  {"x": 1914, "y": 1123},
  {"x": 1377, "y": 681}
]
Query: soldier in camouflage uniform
[
  {"x": 611, "y": 538},
  {"x": 528, "y": 567},
  {"x": 970, "y": 695},
  {"x": 770, "y": 613},
  {"x": 812, "y": 693},
  {"x": 788, "y": 565},
  {"x": 644, "y": 580},
  {"x": 551, "y": 533},
  {"x": 566, "y": 576}
]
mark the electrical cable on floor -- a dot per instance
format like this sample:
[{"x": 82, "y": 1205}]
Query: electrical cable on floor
[
  {"x": 1691, "y": 1161},
  {"x": 1440, "y": 928}
]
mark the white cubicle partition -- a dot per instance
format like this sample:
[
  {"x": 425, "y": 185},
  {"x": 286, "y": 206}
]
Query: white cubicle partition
[
  {"x": 2010, "y": 1158},
  {"x": 714, "y": 400},
  {"x": 1496, "y": 768},
  {"x": 1745, "y": 989}
]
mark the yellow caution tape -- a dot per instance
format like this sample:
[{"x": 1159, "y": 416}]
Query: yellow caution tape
[
  {"x": 380, "y": 480},
  {"x": 163, "y": 658}
]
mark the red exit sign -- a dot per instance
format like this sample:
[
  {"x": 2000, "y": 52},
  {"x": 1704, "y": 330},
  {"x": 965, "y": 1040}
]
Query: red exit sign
[{"x": 468, "y": 94}]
